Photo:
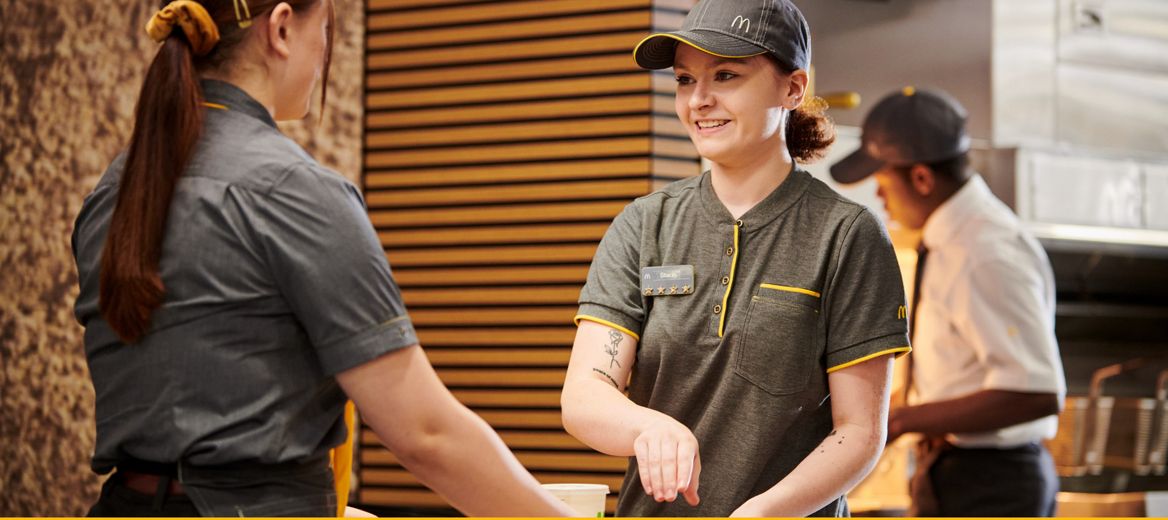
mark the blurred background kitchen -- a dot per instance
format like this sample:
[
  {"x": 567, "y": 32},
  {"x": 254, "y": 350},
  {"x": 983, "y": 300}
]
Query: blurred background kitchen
[{"x": 495, "y": 141}]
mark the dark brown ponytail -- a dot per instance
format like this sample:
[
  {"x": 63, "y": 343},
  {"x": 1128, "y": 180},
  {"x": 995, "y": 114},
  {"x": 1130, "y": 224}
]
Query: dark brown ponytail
[
  {"x": 810, "y": 131},
  {"x": 167, "y": 124}
]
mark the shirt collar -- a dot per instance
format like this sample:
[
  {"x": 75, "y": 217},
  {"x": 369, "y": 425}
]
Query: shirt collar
[
  {"x": 779, "y": 200},
  {"x": 234, "y": 99},
  {"x": 946, "y": 221}
]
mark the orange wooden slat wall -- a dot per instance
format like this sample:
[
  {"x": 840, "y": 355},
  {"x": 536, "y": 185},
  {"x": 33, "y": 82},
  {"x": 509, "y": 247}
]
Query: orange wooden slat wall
[{"x": 501, "y": 138}]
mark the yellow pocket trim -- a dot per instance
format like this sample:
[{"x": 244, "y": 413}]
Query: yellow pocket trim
[
  {"x": 790, "y": 289},
  {"x": 607, "y": 323}
]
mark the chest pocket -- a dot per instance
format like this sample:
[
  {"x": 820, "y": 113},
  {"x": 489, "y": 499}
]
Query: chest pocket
[{"x": 779, "y": 348}]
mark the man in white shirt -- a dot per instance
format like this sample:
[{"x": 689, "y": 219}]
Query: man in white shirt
[{"x": 985, "y": 382}]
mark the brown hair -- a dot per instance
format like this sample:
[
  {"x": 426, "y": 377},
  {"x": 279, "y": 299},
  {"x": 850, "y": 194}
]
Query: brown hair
[
  {"x": 168, "y": 122},
  {"x": 810, "y": 131}
]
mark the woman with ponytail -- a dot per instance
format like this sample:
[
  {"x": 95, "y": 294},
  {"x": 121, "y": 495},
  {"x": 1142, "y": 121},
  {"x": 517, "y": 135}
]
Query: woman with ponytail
[
  {"x": 737, "y": 329},
  {"x": 234, "y": 294}
]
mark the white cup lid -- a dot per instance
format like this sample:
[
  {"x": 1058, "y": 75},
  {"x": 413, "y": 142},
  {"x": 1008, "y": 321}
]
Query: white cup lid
[{"x": 577, "y": 488}]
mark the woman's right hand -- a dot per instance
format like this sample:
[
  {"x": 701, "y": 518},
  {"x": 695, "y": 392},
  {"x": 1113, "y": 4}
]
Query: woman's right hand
[{"x": 668, "y": 461}]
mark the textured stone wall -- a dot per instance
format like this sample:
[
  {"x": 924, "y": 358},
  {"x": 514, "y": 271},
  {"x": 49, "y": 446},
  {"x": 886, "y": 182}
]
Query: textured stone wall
[{"x": 69, "y": 75}]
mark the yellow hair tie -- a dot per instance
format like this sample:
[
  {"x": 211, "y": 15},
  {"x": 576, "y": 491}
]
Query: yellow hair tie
[{"x": 194, "y": 20}]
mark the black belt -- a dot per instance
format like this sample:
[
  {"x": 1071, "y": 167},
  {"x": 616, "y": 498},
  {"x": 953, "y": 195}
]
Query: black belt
[{"x": 150, "y": 478}]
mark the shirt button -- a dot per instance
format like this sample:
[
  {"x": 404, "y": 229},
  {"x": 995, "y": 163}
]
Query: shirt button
[
  {"x": 730, "y": 251},
  {"x": 725, "y": 280},
  {"x": 739, "y": 223},
  {"x": 717, "y": 309}
]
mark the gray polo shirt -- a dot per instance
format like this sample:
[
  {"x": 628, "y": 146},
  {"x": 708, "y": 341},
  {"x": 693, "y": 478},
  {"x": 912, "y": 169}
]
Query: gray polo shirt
[
  {"x": 803, "y": 284},
  {"x": 275, "y": 282}
]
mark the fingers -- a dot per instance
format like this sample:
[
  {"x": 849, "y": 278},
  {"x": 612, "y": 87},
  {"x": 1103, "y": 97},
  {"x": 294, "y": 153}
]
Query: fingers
[
  {"x": 687, "y": 468},
  {"x": 655, "y": 469},
  {"x": 669, "y": 477},
  {"x": 668, "y": 464},
  {"x": 641, "y": 450},
  {"x": 691, "y": 491}
]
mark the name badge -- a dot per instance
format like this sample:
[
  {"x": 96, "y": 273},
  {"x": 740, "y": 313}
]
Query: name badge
[{"x": 667, "y": 280}]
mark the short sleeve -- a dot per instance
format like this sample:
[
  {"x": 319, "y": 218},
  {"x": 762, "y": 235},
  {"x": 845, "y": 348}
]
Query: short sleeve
[
  {"x": 1010, "y": 326},
  {"x": 612, "y": 295},
  {"x": 329, "y": 265},
  {"x": 865, "y": 307}
]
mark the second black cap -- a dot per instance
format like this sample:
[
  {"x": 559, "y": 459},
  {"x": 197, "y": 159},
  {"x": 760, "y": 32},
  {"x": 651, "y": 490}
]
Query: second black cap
[{"x": 906, "y": 127}]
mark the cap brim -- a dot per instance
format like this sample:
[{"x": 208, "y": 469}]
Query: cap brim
[
  {"x": 656, "y": 50},
  {"x": 855, "y": 167}
]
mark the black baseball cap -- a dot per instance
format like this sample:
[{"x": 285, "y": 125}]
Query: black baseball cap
[
  {"x": 734, "y": 29},
  {"x": 906, "y": 127}
]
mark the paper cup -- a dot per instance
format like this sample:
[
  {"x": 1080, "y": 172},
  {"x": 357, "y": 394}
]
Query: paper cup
[{"x": 586, "y": 499}]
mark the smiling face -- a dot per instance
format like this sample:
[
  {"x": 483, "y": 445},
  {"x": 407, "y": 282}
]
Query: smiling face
[{"x": 733, "y": 108}]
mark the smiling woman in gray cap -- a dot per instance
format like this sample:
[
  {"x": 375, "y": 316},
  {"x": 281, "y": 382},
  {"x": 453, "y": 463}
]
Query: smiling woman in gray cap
[{"x": 750, "y": 313}]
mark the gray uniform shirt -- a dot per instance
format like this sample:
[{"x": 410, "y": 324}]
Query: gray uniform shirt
[
  {"x": 275, "y": 282},
  {"x": 803, "y": 284}
]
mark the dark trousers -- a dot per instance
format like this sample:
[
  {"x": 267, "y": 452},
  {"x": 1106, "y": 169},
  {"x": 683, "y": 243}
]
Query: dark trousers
[
  {"x": 952, "y": 481},
  {"x": 299, "y": 489},
  {"x": 118, "y": 500}
]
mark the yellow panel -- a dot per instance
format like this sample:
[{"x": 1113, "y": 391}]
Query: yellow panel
[
  {"x": 678, "y": 168},
  {"x": 492, "y": 275},
  {"x": 534, "y": 295},
  {"x": 514, "y": 29},
  {"x": 400, "y": 497},
  {"x": 516, "y": 377},
  {"x": 669, "y": 125},
  {"x": 544, "y": 315},
  {"x": 674, "y": 148},
  {"x": 532, "y": 460},
  {"x": 544, "y": 171},
  {"x": 401, "y": 477},
  {"x": 500, "y": 357},
  {"x": 521, "y": 418},
  {"x": 494, "y": 337},
  {"x": 550, "y": 212},
  {"x": 512, "y": 152},
  {"x": 526, "y": 397},
  {"x": 515, "y": 439},
  {"x": 493, "y": 235},
  {"x": 502, "y": 132},
  {"x": 407, "y": 497},
  {"x": 408, "y": 20},
  {"x": 557, "y": 67},
  {"x": 492, "y": 255},
  {"x": 499, "y": 112},
  {"x": 491, "y": 52},
  {"x": 501, "y": 92},
  {"x": 379, "y": 5},
  {"x": 623, "y": 188}
]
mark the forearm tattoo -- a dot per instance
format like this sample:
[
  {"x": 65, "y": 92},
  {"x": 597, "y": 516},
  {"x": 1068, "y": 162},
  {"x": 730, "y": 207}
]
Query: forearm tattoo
[
  {"x": 615, "y": 337},
  {"x": 605, "y": 374}
]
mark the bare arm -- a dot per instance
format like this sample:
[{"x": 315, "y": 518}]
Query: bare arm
[
  {"x": 859, "y": 409},
  {"x": 597, "y": 412},
  {"x": 980, "y": 411},
  {"x": 440, "y": 441}
]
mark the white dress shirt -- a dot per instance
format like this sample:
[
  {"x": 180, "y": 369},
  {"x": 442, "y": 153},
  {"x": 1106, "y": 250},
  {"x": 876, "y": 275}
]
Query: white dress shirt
[{"x": 986, "y": 316}]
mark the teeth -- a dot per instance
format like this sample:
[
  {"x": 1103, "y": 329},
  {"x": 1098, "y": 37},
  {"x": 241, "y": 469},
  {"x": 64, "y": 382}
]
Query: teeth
[{"x": 712, "y": 124}]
